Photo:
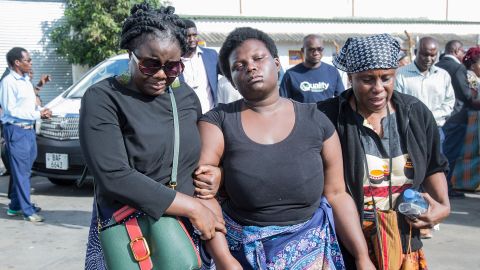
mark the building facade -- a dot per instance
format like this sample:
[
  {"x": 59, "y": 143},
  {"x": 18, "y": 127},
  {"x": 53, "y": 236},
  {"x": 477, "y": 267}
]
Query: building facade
[{"x": 28, "y": 24}]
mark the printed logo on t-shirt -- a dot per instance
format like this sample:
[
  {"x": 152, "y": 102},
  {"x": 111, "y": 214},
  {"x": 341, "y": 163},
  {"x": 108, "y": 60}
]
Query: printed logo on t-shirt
[{"x": 314, "y": 87}]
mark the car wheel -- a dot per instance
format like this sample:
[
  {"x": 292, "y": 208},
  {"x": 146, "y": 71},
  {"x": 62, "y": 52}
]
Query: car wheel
[{"x": 62, "y": 182}]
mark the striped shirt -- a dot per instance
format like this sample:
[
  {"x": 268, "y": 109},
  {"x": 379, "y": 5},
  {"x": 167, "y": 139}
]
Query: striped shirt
[{"x": 434, "y": 89}]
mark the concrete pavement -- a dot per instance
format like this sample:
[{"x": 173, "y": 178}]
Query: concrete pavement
[{"x": 59, "y": 242}]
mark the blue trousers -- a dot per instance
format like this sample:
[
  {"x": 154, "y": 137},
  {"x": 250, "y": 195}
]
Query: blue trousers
[{"x": 22, "y": 151}]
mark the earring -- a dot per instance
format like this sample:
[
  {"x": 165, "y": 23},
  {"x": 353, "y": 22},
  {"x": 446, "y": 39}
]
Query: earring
[{"x": 125, "y": 77}]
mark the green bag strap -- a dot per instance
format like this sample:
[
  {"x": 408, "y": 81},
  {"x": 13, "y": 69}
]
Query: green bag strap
[{"x": 176, "y": 140}]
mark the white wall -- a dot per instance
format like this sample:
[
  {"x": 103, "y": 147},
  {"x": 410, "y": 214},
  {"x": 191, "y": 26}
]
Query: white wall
[
  {"x": 459, "y": 10},
  {"x": 28, "y": 24}
]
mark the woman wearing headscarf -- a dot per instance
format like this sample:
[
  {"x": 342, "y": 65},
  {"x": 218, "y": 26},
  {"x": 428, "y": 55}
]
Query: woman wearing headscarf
[{"x": 389, "y": 141}]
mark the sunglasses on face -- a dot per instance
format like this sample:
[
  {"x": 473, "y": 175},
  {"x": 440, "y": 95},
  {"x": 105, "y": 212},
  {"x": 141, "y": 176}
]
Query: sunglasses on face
[{"x": 150, "y": 67}]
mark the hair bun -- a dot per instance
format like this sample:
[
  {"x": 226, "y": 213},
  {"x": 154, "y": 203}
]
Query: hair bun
[
  {"x": 169, "y": 10},
  {"x": 143, "y": 7}
]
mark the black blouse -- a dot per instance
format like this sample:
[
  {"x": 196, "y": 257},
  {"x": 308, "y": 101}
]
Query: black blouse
[{"x": 127, "y": 140}]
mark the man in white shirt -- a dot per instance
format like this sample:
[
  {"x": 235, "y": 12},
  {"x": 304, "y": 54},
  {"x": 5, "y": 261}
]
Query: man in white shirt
[
  {"x": 200, "y": 69},
  {"x": 423, "y": 80},
  {"x": 18, "y": 101},
  {"x": 430, "y": 84}
]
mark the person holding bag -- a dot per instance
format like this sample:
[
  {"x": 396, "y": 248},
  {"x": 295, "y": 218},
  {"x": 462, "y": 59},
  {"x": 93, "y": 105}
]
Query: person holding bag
[
  {"x": 391, "y": 143},
  {"x": 139, "y": 137}
]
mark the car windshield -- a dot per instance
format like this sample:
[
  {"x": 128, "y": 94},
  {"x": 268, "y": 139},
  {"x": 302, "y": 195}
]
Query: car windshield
[{"x": 103, "y": 70}]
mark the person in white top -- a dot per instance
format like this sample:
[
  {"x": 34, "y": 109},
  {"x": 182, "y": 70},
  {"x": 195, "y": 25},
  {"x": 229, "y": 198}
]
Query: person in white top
[
  {"x": 200, "y": 69},
  {"x": 423, "y": 80},
  {"x": 18, "y": 101}
]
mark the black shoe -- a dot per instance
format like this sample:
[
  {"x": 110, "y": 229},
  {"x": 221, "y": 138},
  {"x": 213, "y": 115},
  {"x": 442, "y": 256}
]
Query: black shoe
[{"x": 456, "y": 194}]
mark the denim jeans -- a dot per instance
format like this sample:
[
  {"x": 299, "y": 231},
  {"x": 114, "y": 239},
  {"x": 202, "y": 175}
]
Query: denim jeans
[{"x": 22, "y": 151}]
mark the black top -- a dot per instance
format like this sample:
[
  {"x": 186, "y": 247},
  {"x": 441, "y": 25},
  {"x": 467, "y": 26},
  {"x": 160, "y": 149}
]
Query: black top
[
  {"x": 272, "y": 184},
  {"x": 127, "y": 140},
  {"x": 458, "y": 74}
]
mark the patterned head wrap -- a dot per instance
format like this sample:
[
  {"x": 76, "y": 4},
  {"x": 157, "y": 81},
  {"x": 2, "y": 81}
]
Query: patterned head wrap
[{"x": 366, "y": 53}]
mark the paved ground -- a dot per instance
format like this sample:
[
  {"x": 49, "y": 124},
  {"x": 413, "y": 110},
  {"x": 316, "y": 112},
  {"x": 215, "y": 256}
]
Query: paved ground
[{"x": 59, "y": 243}]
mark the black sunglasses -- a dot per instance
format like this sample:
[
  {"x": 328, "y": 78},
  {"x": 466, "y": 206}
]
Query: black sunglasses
[
  {"x": 312, "y": 50},
  {"x": 150, "y": 67}
]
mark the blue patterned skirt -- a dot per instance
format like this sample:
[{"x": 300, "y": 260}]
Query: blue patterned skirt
[{"x": 309, "y": 245}]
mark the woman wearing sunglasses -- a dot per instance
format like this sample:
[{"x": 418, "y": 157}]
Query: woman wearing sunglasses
[{"x": 127, "y": 131}]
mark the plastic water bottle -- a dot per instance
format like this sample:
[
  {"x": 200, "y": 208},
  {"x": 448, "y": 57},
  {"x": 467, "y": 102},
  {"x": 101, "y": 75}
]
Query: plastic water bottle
[{"x": 413, "y": 204}]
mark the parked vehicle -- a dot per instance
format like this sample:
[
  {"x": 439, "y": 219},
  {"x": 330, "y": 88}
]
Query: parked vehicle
[{"x": 59, "y": 155}]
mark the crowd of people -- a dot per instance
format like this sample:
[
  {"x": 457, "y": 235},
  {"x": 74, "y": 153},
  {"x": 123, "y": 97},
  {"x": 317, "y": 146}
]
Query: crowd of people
[{"x": 273, "y": 173}]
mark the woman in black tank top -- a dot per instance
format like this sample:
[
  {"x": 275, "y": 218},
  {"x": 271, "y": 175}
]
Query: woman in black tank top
[{"x": 282, "y": 162}]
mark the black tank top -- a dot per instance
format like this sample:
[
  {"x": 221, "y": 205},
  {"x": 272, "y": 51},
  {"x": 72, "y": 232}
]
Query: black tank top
[{"x": 272, "y": 184}]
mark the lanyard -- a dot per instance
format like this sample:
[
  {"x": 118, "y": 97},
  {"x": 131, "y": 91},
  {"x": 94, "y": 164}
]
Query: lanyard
[{"x": 389, "y": 175}]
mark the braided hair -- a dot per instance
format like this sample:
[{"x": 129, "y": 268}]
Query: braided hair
[
  {"x": 471, "y": 57},
  {"x": 145, "y": 21},
  {"x": 235, "y": 39}
]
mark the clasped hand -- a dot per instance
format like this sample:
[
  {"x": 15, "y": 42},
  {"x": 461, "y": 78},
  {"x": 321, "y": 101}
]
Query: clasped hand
[{"x": 207, "y": 180}]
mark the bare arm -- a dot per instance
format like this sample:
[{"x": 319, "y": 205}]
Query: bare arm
[
  {"x": 347, "y": 222},
  {"x": 211, "y": 154}
]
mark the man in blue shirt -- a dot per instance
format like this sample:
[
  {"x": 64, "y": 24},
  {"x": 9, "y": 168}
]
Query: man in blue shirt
[
  {"x": 312, "y": 80},
  {"x": 17, "y": 99}
]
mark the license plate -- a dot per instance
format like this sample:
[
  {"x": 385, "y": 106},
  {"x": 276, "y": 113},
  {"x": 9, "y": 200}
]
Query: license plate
[{"x": 56, "y": 161}]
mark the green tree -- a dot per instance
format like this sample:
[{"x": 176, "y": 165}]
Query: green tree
[{"x": 90, "y": 29}]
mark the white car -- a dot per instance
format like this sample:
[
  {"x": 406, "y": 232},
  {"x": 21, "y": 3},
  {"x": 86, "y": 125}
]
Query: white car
[{"x": 59, "y": 155}]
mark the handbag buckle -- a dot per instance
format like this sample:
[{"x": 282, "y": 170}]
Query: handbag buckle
[{"x": 134, "y": 245}]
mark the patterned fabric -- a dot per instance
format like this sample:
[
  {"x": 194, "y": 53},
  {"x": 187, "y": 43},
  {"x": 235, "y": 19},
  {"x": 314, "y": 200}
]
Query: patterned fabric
[
  {"x": 94, "y": 256},
  {"x": 466, "y": 174},
  {"x": 386, "y": 242},
  {"x": 365, "y": 53},
  {"x": 418, "y": 256},
  {"x": 309, "y": 245}
]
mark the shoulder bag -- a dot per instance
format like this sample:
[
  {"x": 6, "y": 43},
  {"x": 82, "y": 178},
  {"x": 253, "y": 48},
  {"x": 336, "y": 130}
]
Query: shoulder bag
[{"x": 385, "y": 238}]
